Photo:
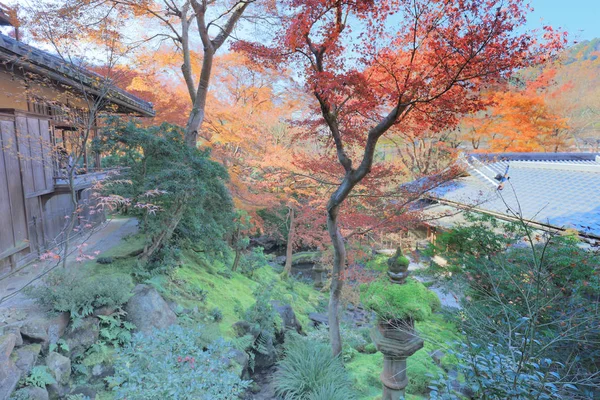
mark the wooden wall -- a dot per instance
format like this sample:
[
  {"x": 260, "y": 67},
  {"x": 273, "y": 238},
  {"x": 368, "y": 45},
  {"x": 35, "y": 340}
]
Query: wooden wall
[
  {"x": 32, "y": 211},
  {"x": 14, "y": 236}
]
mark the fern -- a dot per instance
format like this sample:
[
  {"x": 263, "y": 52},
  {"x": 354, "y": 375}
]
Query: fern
[{"x": 39, "y": 377}]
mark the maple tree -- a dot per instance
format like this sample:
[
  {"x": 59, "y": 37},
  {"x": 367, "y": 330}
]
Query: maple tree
[
  {"x": 520, "y": 119},
  {"x": 374, "y": 65}
]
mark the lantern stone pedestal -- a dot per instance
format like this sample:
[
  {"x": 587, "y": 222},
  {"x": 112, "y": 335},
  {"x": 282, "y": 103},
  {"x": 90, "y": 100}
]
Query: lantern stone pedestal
[
  {"x": 397, "y": 340},
  {"x": 319, "y": 276}
]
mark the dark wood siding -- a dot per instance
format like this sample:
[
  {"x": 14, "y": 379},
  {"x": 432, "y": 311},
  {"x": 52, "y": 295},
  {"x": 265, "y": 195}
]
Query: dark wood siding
[{"x": 13, "y": 225}]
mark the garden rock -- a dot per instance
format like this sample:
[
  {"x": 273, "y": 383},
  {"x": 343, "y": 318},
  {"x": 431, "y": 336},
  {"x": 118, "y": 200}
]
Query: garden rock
[
  {"x": 267, "y": 357},
  {"x": 146, "y": 309},
  {"x": 59, "y": 366},
  {"x": 15, "y": 331},
  {"x": 240, "y": 358},
  {"x": 101, "y": 371},
  {"x": 87, "y": 392},
  {"x": 288, "y": 317},
  {"x": 41, "y": 329},
  {"x": 9, "y": 377},
  {"x": 280, "y": 260},
  {"x": 7, "y": 344},
  {"x": 243, "y": 328},
  {"x": 318, "y": 319},
  {"x": 437, "y": 356},
  {"x": 84, "y": 336},
  {"x": 27, "y": 356},
  {"x": 56, "y": 391},
  {"x": 34, "y": 393}
]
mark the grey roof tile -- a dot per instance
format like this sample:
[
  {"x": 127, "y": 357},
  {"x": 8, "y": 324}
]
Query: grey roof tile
[{"x": 562, "y": 189}]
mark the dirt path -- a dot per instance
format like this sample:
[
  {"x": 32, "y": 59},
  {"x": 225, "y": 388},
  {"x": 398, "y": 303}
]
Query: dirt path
[{"x": 17, "y": 306}]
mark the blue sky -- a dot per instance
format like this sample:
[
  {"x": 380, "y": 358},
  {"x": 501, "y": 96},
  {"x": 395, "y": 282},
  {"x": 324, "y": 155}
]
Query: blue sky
[{"x": 581, "y": 18}]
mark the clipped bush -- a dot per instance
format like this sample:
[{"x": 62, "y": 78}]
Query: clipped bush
[
  {"x": 309, "y": 371},
  {"x": 79, "y": 295},
  {"x": 175, "y": 363},
  {"x": 391, "y": 301}
]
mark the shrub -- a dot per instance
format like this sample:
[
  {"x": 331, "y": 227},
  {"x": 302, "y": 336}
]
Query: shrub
[
  {"x": 491, "y": 374},
  {"x": 79, "y": 295},
  {"x": 177, "y": 193},
  {"x": 216, "y": 314},
  {"x": 175, "y": 363},
  {"x": 252, "y": 261},
  {"x": 309, "y": 371},
  {"x": 392, "y": 301}
]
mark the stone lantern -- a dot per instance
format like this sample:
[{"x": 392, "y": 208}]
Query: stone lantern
[
  {"x": 319, "y": 275},
  {"x": 396, "y": 338}
]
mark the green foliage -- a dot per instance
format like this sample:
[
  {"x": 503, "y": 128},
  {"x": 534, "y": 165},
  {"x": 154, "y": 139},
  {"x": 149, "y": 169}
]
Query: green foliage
[
  {"x": 174, "y": 363},
  {"x": 378, "y": 263},
  {"x": 40, "y": 377},
  {"x": 532, "y": 300},
  {"x": 98, "y": 353},
  {"x": 114, "y": 330},
  {"x": 308, "y": 371},
  {"x": 60, "y": 346},
  {"x": 80, "y": 295},
  {"x": 391, "y": 301},
  {"x": 354, "y": 341},
  {"x": 216, "y": 314},
  {"x": 481, "y": 236},
  {"x": 253, "y": 260},
  {"x": 261, "y": 314},
  {"x": 490, "y": 374},
  {"x": 177, "y": 193}
]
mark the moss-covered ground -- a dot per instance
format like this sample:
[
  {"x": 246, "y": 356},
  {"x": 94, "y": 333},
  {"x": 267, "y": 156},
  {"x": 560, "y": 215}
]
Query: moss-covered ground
[{"x": 203, "y": 284}]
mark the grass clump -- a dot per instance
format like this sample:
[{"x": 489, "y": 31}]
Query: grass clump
[
  {"x": 309, "y": 371},
  {"x": 391, "y": 301}
]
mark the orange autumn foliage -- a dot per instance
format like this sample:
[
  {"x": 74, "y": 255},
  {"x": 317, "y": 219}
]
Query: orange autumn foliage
[{"x": 519, "y": 120}]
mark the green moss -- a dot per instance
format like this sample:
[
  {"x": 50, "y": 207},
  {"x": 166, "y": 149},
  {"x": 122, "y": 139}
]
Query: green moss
[
  {"x": 391, "y": 301},
  {"x": 378, "y": 263},
  {"x": 230, "y": 294},
  {"x": 365, "y": 370}
]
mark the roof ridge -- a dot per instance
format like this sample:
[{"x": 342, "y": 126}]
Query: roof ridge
[{"x": 54, "y": 63}]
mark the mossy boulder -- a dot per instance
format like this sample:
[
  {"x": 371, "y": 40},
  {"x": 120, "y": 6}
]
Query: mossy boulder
[{"x": 390, "y": 301}]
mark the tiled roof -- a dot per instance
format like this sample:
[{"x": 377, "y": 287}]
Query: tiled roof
[
  {"x": 44, "y": 63},
  {"x": 557, "y": 189}
]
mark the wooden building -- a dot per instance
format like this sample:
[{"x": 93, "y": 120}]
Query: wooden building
[{"x": 35, "y": 197}]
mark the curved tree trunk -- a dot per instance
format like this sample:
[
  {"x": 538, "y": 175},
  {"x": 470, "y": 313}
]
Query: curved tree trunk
[{"x": 339, "y": 263}]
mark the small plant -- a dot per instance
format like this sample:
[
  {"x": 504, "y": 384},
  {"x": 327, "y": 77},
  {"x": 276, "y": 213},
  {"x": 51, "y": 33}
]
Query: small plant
[
  {"x": 114, "y": 330},
  {"x": 98, "y": 353},
  {"x": 175, "y": 363},
  {"x": 309, "y": 371},
  {"x": 216, "y": 314},
  {"x": 392, "y": 301},
  {"x": 40, "y": 377},
  {"x": 60, "y": 346},
  {"x": 81, "y": 295}
]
